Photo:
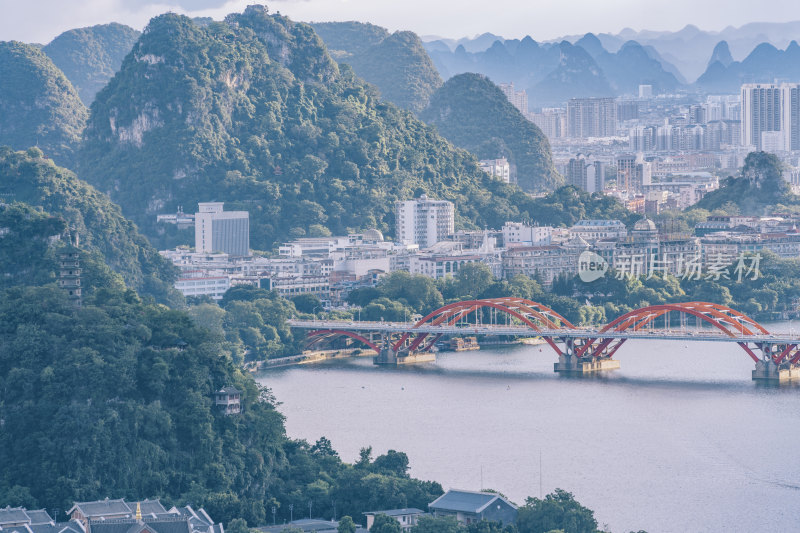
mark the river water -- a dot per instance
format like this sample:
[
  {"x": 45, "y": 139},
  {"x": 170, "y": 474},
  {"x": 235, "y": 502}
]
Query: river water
[{"x": 678, "y": 439}]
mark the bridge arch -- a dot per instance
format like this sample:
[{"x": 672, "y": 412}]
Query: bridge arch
[
  {"x": 730, "y": 321},
  {"x": 532, "y": 314},
  {"x": 318, "y": 335}
]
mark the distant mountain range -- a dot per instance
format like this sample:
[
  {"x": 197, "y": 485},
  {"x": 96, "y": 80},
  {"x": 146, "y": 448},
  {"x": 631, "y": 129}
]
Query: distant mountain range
[
  {"x": 687, "y": 49},
  {"x": 551, "y": 73}
]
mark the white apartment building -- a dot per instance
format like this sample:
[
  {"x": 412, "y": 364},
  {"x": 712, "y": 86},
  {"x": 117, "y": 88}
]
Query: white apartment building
[
  {"x": 216, "y": 230},
  {"x": 520, "y": 234},
  {"x": 771, "y": 116},
  {"x": 424, "y": 222},
  {"x": 202, "y": 283},
  {"x": 498, "y": 168}
]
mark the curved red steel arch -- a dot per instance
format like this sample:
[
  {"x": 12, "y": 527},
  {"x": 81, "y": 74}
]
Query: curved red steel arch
[
  {"x": 715, "y": 314},
  {"x": 516, "y": 307},
  {"x": 340, "y": 332}
]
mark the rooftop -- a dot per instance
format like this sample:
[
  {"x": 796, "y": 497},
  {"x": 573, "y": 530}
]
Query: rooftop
[{"x": 465, "y": 501}]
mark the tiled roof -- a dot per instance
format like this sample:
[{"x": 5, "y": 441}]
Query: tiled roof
[
  {"x": 102, "y": 508},
  {"x": 130, "y": 525},
  {"x": 39, "y": 516},
  {"x": 149, "y": 507},
  {"x": 229, "y": 390},
  {"x": 464, "y": 501},
  {"x": 13, "y": 515},
  {"x": 397, "y": 512}
]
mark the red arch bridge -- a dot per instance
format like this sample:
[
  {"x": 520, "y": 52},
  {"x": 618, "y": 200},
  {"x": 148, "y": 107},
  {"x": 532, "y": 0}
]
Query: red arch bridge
[{"x": 579, "y": 349}]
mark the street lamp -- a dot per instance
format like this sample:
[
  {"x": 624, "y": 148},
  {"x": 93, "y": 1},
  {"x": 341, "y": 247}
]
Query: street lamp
[
  {"x": 291, "y": 512},
  {"x": 309, "y": 508},
  {"x": 274, "y": 510}
]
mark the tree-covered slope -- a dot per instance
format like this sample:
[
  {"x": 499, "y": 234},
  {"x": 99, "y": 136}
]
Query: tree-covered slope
[
  {"x": 89, "y": 57},
  {"x": 38, "y": 105},
  {"x": 254, "y": 112},
  {"x": 56, "y": 201},
  {"x": 757, "y": 191},
  {"x": 117, "y": 398},
  {"x": 395, "y": 63},
  {"x": 473, "y": 113}
]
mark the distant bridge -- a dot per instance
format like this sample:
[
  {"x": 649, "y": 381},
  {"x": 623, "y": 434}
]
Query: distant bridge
[{"x": 579, "y": 349}]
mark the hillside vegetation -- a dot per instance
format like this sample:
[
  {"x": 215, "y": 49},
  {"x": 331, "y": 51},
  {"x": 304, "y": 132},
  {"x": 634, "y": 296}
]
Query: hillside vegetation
[
  {"x": 473, "y": 113},
  {"x": 47, "y": 201},
  {"x": 397, "y": 64},
  {"x": 254, "y": 112},
  {"x": 89, "y": 57},
  {"x": 38, "y": 105}
]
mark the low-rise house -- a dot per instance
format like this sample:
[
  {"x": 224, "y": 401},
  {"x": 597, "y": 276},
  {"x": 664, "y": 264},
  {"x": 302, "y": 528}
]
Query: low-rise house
[
  {"x": 162, "y": 524},
  {"x": 229, "y": 400},
  {"x": 407, "y": 518},
  {"x": 468, "y": 507}
]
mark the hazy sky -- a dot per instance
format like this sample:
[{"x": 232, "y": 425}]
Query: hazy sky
[{"x": 41, "y": 20}]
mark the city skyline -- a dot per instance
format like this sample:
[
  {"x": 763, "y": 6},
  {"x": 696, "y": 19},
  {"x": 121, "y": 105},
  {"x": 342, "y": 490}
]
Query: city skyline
[{"x": 42, "y": 20}]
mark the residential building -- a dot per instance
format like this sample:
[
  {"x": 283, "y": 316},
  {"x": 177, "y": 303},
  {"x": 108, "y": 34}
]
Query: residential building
[
  {"x": 521, "y": 234},
  {"x": 228, "y": 400},
  {"x": 586, "y": 173},
  {"x": 552, "y": 122},
  {"x": 498, "y": 168},
  {"x": 591, "y": 117},
  {"x": 595, "y": 230},
  {"x": 423, "y": 221},
  {"x": 407, "y": 518},
  {"x": 216, "y": 230},
  {"x": 645, "y": 91},
  {"x": 544, "y": 263},
  {"x": 468, "y": 507},
  {"x": 633, "y": 172},
  {"x": 518, "y": 99},
  {"x": 203, "y": 283},
  {"x": 771, "y": 107}
]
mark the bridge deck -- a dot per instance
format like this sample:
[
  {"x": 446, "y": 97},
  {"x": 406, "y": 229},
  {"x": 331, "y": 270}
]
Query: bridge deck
[{"x": 684, "y": 334}]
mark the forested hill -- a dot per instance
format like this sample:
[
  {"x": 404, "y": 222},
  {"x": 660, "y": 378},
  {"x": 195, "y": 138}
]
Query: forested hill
[
  {"x": 396, "y": 63},
  {"x": 254, "y": 112},
  {"x": 38, "y": 105},
  {"x": 473, "y": 113},
  {"x": 45, "y": 202},
  {"x": 116, "y": 399},
  {"x": 89, "y": 57}
]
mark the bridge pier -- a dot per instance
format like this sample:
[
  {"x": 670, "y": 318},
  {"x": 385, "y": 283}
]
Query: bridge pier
[
  {"x": 570, "y": 363},
  {"x": 769, "y": 372},
  {"x": 388, "y": 356}
]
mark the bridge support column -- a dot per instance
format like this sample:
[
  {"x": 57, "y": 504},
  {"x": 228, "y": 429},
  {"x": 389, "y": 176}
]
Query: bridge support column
[
  {"x": 570, "y": 363},
  {"x": 388, "y": 356},
  {"x": 768, "y": 372}
]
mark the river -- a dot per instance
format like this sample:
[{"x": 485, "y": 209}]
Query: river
[{"x": 678, "y": 439}]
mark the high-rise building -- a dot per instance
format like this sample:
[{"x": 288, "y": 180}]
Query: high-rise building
[
  {"x": 771, "y": 107},
  {"x": 633, "y": 172},
  {"x": 424, "y": 222},
  {"x": 216, "y": 230},
  {"x": 645, "y": 91},
  {"x": 591, "y": 117},
  {"x": 586, "y": 174},
  {"x": 552, "y": 122},
  {"x": 518, "y": 98},
  {"x": 761, "y": 110},
  {"x": 499, "y": 168}
]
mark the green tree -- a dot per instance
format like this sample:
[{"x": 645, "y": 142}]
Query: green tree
[
  {"x": 385, "y": 524},
  {"x": 346, "y": 525},
  {"x": 237, "y": 525},
  {"x": 558, "y": 510},
  {"x": 307, "y": 303},
  {"x": 429, "y": 524}
]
